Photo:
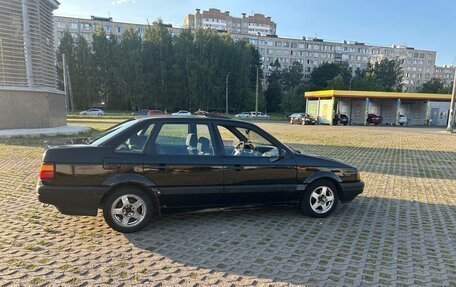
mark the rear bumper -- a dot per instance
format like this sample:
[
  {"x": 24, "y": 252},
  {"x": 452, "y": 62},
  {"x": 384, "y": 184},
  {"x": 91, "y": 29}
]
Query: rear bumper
[
  {"x": 350, "y": 190},
  {"x": 72, "y": 200}
]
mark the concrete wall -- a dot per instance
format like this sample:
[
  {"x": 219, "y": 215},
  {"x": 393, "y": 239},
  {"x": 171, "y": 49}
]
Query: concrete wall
[
  {"x": 389, "y": 111},
  {"x": 31, "y": 108}
]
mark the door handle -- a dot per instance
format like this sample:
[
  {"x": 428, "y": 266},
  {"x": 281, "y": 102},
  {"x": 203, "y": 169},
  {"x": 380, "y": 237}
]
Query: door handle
[{"x": 238, "y": 167}]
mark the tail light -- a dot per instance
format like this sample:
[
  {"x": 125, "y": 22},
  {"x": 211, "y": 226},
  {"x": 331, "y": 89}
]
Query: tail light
[{"x": 47, "y": 171}]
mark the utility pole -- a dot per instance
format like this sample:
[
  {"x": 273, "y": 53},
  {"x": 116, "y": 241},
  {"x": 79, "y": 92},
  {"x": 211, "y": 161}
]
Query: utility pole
[
  {"x": 256, "y": 98},
  {"x": 451, "y": 116},
  {"x": 65, "y": 84},
  {"x": 226, "y": 93},
  {"x": 257, "y": 70}
]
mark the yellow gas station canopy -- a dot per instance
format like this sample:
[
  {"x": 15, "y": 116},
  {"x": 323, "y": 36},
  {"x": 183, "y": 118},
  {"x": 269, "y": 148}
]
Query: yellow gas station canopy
[{"x": 376, "y": 95}]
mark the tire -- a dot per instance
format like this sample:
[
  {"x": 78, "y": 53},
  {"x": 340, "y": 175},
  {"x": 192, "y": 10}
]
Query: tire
[
  {"x": 345, "y": 124},
  {"x": 291, "y": 122},
  {"x": 127, "y": 223},
  {"x": 311, "y": 206},
  {"x": 303, "y": 122}
]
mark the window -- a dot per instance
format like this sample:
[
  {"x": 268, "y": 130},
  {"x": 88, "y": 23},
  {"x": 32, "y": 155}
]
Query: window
[
  {"x": 137, "y": 141},
  {"x": 107, "y": 29},
  {"x": 85, "y": 26},
  {"x": 244, "y": 142},
  {"x": 60, "y": 24},
  {"x": 73, "y": 25},
  {"x": 278, "y": 44},
  {"x": 184, "y": 139}
]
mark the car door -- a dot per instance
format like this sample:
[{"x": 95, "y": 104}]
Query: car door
[
  {"x": 264, "y": 175},
  {"x": 184, "y": 165}
]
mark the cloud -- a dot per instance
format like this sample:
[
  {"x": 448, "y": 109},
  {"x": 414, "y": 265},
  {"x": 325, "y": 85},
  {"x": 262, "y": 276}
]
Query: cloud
[{"x": 120, "y": 2}]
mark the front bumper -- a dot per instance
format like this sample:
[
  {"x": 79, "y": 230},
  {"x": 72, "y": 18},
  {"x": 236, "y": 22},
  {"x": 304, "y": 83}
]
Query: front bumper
[
  {"x": 350, "y": 190},
  {"x": 72, "y": 200}
]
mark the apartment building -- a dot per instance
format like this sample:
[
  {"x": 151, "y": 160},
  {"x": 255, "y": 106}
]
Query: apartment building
[
  {"x": 418, "y": 65},
  {"x": 445, "y": 73},
  {"x": 223, "y": 21},
  {"x": 86, "y": 26}
]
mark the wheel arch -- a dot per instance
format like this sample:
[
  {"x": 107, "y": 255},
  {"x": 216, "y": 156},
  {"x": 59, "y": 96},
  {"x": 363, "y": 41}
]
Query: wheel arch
[
  {"x": 324, "y": 175},
  {"x": 140, "y": 182}
]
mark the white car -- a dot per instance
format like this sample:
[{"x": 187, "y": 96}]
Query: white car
[
  {"x": 258, "y": 115},
  {"x": 92, "y": 112},
  {"x": 402, "y": 120},
  {"x": 182, "y": 113},
  {"x": 243, "y": 115}
]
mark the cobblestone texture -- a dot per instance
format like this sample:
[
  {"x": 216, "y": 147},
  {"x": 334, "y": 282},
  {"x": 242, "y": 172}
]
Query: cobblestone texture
[{"x": 400, "y": 232}]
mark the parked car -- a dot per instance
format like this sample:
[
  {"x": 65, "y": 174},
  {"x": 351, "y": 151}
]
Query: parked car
[
  {"x": 154, "y": 113},
  {"x": 258, "y": 115},
  {"x": 373, "y": 119},
  {"x": 302, "y": 119},
  {"x": 182, "y": 113},
  {"x": 150, "y": 166},
  {"x": 92, "y": 112},
  {"x": 402, "y": 120},
  {"x": 343, "y": 119},
  {"x": 213, "y": 114},
  {"x": 340, "y": 119},
  {"x": 243, "y": 115},
  {"x": 140, "y": 112}
]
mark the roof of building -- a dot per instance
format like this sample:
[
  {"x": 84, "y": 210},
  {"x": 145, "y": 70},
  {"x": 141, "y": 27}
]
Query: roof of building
[{"x": 376, "y": 95}]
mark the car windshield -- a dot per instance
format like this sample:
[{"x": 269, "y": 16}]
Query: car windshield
[{"x": 110, "y": 133}]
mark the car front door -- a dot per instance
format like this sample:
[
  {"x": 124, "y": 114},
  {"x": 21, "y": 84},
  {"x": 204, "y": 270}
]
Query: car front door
[
  {"x": 256, "y": 171},
  {"x": 184, "y": 165}
]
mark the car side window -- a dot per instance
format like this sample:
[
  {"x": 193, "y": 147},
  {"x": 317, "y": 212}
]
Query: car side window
[
  {"x": 244, "y": 142},
  {"x": 136, "y": 142},
  {"x": 184, "y": 139}
]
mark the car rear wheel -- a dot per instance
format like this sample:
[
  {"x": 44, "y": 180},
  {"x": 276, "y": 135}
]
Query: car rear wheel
[
  {"x": 291, "y": 122},
  {"x": 128, "y": 209},
  {"x": 320, "y": 199},
  {"x": 303, "y": 122}
]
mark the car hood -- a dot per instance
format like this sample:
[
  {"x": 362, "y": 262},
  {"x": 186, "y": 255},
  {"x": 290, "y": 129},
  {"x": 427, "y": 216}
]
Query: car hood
[{"x": 307, "y": 159}]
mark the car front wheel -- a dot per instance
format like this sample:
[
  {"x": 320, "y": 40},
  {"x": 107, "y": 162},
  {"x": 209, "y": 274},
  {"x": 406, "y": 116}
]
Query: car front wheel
[
  {"x": 127, "y": 209},
  {"x": 320, "y": 199}
]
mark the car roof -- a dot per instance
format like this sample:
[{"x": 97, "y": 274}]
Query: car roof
[{"x": 194, "y": 118}]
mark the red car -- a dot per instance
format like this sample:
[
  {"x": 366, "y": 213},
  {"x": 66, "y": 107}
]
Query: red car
[
  {"x": 156, "y": 113},
  {"x": 373, "y": 119}
]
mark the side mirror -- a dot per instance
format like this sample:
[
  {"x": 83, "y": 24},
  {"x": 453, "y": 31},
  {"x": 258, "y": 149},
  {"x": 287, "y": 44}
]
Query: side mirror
[{"x": 283, "y": 153}]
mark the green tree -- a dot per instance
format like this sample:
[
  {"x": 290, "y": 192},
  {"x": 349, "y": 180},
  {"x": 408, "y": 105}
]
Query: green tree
[
  {"x": 293, "y": 88},
  {"x": 389, "y": 75},
  {"x": 273, "y": 93},
  {"x": 330, "y": 76},
  {"x": 158, "y": 57},
  {"x": 435, "y": 86}
]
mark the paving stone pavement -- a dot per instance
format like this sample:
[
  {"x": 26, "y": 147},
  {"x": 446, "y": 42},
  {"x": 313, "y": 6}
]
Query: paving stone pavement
[{"x": 400, "y": 232}]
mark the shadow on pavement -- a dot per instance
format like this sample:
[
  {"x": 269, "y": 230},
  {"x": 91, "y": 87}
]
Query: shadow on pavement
[{"x": 371, "y": 240}]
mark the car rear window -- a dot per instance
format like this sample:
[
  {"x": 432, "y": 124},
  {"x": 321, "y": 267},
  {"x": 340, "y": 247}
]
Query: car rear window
[{"x": 111, "y": 132}]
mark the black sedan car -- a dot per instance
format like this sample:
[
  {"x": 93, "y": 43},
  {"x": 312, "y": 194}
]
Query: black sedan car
[
  {"x": 150, "y": 166},
  {"x": 302, "y": 119}
]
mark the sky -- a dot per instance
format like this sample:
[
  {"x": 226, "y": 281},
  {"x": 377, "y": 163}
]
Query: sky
[{"x": 422, "y": 24}]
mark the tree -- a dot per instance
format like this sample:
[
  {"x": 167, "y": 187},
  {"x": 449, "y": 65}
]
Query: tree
[
  {"x": 293, "y": 88},
  {"x": 273, "y": 93},
  {"x": 435, "y": 86},
  {"x": 389, "y": 75},
  {"x": 330, "y": 76},
  {"x": 385, "y": 75}
]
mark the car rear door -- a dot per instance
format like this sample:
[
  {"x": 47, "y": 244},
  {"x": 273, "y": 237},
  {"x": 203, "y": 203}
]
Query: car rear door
[
  {"x": 184, "y": 165},
  {"x": 262, "y": 177}
]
